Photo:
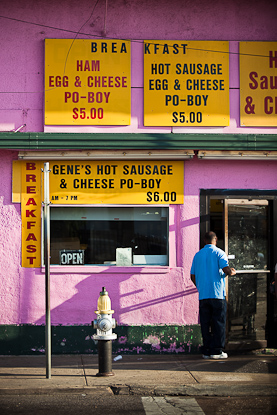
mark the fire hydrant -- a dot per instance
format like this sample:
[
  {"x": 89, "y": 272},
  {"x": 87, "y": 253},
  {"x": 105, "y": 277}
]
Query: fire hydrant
[{"x": 104, "y": 324}]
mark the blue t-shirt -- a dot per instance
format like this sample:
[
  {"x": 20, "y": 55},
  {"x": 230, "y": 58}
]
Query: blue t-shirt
[{"x": 207, "y": 267}]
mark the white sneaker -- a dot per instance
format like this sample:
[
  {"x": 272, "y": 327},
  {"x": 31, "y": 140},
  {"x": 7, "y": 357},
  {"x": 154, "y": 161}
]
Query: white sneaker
[
  {"x": 205, "y": 356},
  {"x": 222, "y": 355}
]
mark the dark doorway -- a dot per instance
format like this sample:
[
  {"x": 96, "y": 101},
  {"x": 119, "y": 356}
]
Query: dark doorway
[{"x": 245, "y": 229}]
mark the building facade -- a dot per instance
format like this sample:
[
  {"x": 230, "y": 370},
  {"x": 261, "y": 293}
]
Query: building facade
[{"x": 159, "y": 122}]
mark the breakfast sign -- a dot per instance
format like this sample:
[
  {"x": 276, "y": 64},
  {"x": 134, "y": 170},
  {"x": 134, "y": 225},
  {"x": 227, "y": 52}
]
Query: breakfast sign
[
  {"x": 87, "y": 82},
  {"x": 186, "y": 83}
]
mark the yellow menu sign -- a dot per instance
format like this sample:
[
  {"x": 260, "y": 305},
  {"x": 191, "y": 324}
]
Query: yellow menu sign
[
  {"x": 258, "y": 84},
  {"x": 87, "y": 82},
  {"x": 186, "y": 83},
  {"x": 118, "y": 182}
]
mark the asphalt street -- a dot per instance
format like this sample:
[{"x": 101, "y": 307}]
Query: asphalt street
[{"x": 109, "y": 404}]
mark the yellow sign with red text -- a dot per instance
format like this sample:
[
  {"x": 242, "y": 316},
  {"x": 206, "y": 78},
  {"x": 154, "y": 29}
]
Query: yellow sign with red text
[
  {"x": 186, "y": 83},
  {"x": 87, "y": 82},
  {"x": 31, "y": 213},
  {"x": 258, "y": 84}
]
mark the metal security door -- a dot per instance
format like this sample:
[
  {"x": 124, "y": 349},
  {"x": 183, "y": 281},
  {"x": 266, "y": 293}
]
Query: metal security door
[{"x": 246, "y": 243}]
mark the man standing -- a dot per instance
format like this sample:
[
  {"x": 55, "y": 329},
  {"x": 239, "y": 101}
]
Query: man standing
[{"x": 208, "y": 271}]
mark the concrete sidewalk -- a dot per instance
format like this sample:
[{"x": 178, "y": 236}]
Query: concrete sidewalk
[{"x": 145, "y": 375}]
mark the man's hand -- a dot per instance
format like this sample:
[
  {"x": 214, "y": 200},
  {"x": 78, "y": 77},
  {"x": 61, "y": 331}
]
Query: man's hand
[{"x": 229, "y": 271}]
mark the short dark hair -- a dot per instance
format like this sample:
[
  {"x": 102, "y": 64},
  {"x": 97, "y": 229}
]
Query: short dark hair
[{"x": 209, "y": 236}]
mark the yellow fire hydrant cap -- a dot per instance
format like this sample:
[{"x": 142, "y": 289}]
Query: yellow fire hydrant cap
[{"x": 104, "y": 303}]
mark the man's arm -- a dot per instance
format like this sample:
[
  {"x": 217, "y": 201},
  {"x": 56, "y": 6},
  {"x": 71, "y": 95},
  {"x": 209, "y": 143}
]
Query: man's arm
[
  {"x": 192, "y": 277},
  {"x": 229, "y": 271}
]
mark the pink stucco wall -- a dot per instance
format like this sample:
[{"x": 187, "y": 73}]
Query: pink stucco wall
[
  {"x": 25, "y": 25},
  {"x": 139, "y": 296},
  {"x": 159, "y": 296}
]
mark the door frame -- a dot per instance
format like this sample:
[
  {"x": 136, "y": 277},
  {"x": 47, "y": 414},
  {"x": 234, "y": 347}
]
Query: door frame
[{"x": 271, "y": 196}]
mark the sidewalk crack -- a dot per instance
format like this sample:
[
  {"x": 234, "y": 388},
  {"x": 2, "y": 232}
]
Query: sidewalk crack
[
  {"x": 192, "y": 376},
  {"x": 187, "y": 369},
  {"x": 84, "y": 372}
]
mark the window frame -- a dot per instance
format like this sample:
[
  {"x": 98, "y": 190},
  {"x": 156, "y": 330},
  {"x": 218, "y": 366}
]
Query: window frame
[{"x": 91, "y": 268}]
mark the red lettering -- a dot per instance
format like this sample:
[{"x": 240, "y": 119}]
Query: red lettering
[
  {"x": 124, "y": 82},
  {"x": 31, "y": 178},
  {"x": 97, "y": 81},
  {"x": 93, "y": 66},
  {"x": 273, "y": 82},
  {"x": 31, "y": 248},
  {"x": 31, "y": 201},
  {"x": 30, "y": 166},
  {"x": 31, "y": 259},
  {"x": 86, "y": 67},
  {"x": 31, "y": 189},
  {"x": 272, "y": 59},
  {"x": 67, "y": 95},
  {"x": 31, "y": 225},
  {"x": 31, "y": 237},
  {"x": 51, "y": 81},
  {"x": 267, "y": 108},
  {"x": 91, "y": 97},
  {"x": 30, "y": 213},
  {"x": 264, "y": 82},
  {"x": 255, "y": 83}
]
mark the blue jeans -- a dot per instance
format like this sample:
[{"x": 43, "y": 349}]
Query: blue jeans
[{"x": 212, "y": 313}]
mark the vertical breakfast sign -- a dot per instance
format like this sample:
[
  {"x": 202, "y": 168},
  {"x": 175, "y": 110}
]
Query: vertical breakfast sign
[
  {"x": 87, "y": 82},
  {"x": 186, "y": 83},
  {"x": 31, "y": 213}
]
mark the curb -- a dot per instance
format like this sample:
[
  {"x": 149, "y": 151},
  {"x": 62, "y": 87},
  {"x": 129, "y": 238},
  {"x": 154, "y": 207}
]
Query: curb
[
  {"x": 56, "y": 391},
  {"x": 219, "y": 390}
]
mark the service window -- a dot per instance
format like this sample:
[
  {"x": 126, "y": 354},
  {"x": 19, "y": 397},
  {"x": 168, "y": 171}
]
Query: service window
[{"x": 109, "y": 235}]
